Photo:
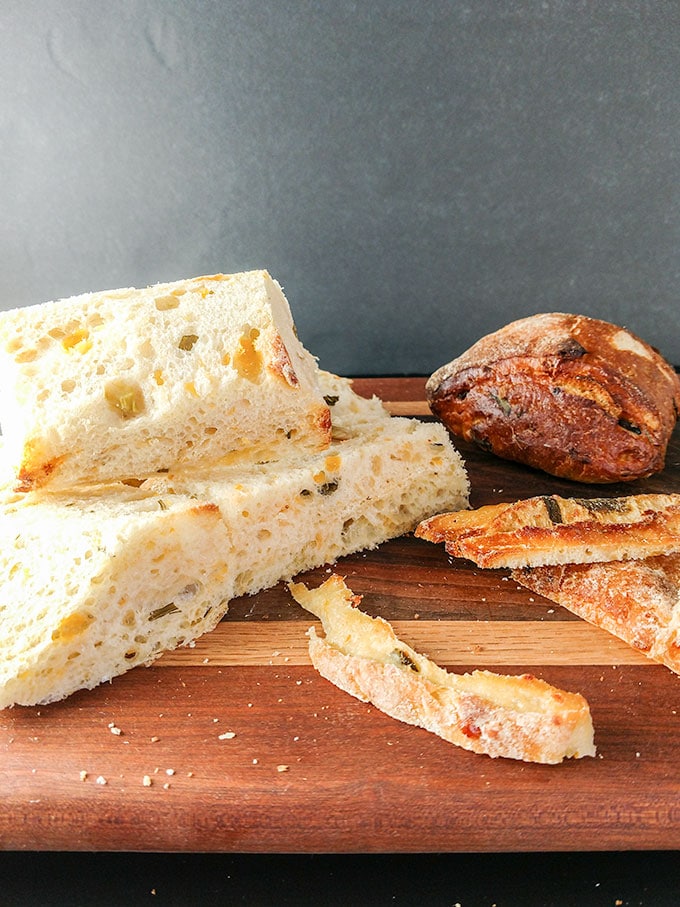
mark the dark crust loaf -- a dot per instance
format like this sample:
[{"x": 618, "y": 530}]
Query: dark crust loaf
[{"x": 576, "y": 397}]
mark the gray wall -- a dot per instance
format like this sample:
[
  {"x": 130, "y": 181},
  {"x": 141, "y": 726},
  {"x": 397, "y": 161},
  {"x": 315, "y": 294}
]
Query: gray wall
[{"x": 415, "y": 174}]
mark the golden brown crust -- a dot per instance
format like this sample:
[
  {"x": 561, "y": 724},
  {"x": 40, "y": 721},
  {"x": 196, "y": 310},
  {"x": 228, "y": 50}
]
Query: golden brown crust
[
  {"x": 636, "y": 601},
  {"x": 574, "y": 396},
  {"x": 550, "y": 529}
]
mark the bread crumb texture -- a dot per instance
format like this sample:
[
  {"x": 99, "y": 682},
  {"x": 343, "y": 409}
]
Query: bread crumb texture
[
  {"x": 97, "y": 580},
  {"x": 183, "y": 373}
]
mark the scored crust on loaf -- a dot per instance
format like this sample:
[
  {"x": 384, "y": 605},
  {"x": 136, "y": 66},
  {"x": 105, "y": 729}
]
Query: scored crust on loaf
[
  {"x": 549, "y": 529},
  {"x": 637, "y": 601},
  {"x": 242, "y": 529},
  {"x": 574, "y": 396},
  {"x": 128, "y": 382},
  {"x": 518, "y": 717}
]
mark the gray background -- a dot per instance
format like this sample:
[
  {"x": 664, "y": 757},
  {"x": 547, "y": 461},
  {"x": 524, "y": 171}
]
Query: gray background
[{"x": 415, "y": 174}]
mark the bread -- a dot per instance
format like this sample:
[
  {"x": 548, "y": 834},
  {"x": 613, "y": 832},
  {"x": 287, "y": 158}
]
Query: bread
[
  {"x": 516, "y": 717},
  {"x": 92, "y": 588},
  {"x": 102, "y": 579},
  {"x": 573, "y": 396},
  {"x": 129, "y": 382},
  {"x": 637, "y": 601},
  {"x": 550, "y": 529}
]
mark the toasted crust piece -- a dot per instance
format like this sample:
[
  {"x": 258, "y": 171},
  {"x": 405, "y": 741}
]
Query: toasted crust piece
[
  {"x": 636, "y": 601},
  {"x": 550, "y": 529},
  {"x": 127, "y": 383},
  {"x": 574, "y": 396},
  {"x": 515, "y": 717}
]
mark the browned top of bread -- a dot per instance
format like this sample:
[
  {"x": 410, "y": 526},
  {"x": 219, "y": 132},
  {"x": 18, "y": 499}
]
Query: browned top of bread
[
  {"x": 636, "y": 601},
  {"x": 550, "y": 529},
  {"x": 574, "y": 396}
]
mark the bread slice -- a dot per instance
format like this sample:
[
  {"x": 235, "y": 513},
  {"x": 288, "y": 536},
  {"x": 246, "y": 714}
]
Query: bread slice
[
  {"x": 92, "y": 588},
  {"x": 130, "y": 382},
  {"x": 516, "y": 717},
  {"x": 637, "y": 601},
  {"x": 550, "y": 529},
  {"x": 95, "y": 583}
]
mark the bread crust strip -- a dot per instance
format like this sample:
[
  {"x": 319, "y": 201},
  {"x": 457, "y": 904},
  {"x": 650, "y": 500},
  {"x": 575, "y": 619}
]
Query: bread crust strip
[
  {"x": 636, "y": 601},
  {"x": 549, "y": 529},
  {"x": 518, "y": 717}
]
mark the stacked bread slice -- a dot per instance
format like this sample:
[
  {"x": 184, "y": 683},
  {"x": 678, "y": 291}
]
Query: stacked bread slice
[
  {"x": 613, "y": 561},
  {"x": 171, "y": 448}
]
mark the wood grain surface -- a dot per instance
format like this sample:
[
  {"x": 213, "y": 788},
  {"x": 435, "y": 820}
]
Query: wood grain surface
[{"x": 236, "y": 744}]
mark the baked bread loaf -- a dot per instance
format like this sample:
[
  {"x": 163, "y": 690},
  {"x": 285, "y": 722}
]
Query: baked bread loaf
[
  {"x": 129, "y": 382},
  {"x": 516, "y": 717},
  {"x": 573, "y": 396},
  {"x": 550, "y": 529},
  {"x": 636, "y": 601},
  {"x": 99, "y": 580}
]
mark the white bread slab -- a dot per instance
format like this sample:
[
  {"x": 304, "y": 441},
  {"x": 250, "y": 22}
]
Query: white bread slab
[
  {"x": 67, "y": 561},
  {"x": 516, "y": 717},
  {"x": 92, "y": 588},
  {"x": 106, "y": 385}
]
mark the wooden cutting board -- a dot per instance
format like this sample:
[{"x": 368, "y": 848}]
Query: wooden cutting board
[{"x": 238, "y": 745}]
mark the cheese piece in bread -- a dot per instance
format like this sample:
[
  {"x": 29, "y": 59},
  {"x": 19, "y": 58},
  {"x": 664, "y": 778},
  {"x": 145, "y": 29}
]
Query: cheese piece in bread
[
  {"x": 97, "y": 582},
  {"x": 517, "y": 717},
  {"x": 129, "y": 382},
  {"x": 550, "y": 529},
  {"x": 637, "y": 601}
]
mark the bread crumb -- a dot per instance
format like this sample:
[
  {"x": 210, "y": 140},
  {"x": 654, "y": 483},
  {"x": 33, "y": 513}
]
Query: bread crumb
[
  {"x": 166, "y": 786},
  {"x": 83, "y": 775},
  {"x": 115, "y": 730},
  {"x": 228, "y": 735},
  {"x": 282, "y": 768},
  {"x": 155, "y": 739},
  {"x": 146, "y": 781},
  {"x": 255, "y": 761},
  {"x": 101, "y": 780},
  {"x": 169, "y": 771}
]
